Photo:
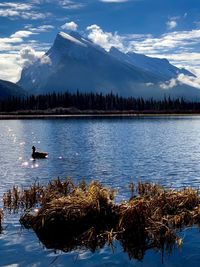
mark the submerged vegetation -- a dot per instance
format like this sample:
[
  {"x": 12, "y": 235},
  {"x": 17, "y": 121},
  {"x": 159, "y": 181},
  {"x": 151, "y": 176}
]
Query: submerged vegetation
[{"x": 67, "y": 216}]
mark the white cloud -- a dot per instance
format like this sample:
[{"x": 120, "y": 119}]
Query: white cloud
[
  {"x": 39, "y": 29},
  {"x": 141, "y": 43},
  {"x": 189, "y": 80},
  {"x": 13, "y": 42},
  {"x": 28, "y": 55},
  {"x": 16, "y": 6},
  {"x": 104, "y": 39},
  {"x": 9, "y": 68},
  {"x": 182, "y": 79},
  {"x": 16, "y": 52},
  {"x": 21, "y": 34},
  {"x": 21, "y": 10},
  {"x": 12, "y": 64},
  {"x": 38, "y": 2},
  {"x": 18, "y": 40},
  {"x": 171, "y": 24},
  {"x": 169, "y": 84},
  {"x": 114, "y": 1},
  {"x": 14, "y": 14},
  {"x": 70, "y": 26},
  {"x": 190, "y": 60},
  {"x": 68, "y": 4},
  {"x": 181, "y": 40},
  {"x": 45, "y": 60},
  {"x": 146, "y": 44},
  {"x": 177, "y": 46},
  {"x": 45, "y": 28}
]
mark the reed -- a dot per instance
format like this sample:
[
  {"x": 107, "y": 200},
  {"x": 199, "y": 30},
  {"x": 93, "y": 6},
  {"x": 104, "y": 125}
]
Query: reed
[
  {"x": 152, "y": 216},
  {"x": 1, "y": 220},
  {"x": 16, "y": 198},
  {"x": 76, "y": 215},
  {"x": 27, "y": 198},
  {"x": 71, "y": 216}
]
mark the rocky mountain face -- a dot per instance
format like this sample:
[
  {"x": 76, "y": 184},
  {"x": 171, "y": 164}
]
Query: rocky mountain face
[
  {"x": 157, "y": 66},
  {"x": 75, "y": 63},
  {"x": 8, "y": 89}
]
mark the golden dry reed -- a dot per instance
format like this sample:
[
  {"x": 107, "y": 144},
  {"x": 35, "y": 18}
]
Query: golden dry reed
[
  {"x": 1, "y": 220},
  {"x": 71, "y": 216}
]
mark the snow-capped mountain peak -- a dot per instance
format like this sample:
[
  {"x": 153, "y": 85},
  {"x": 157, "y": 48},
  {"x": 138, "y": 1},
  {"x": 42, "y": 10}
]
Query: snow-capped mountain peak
[
  {"x": 76, "y": 63},
  {"x": 70, "y": 38}
]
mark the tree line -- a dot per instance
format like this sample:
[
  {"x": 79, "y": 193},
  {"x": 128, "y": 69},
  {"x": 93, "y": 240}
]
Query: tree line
[{"x": 96, "y": 101}]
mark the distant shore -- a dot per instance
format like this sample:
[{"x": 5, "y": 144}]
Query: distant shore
[{"x": 93, "y": 114}]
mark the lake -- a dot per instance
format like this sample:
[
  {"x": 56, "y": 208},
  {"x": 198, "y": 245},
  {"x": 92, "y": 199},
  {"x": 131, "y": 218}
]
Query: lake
[{"x": 116, "y": 151}]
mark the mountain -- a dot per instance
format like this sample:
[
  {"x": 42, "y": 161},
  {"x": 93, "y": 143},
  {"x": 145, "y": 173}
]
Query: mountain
[
  {"x": 76, "y": 63},
  {"x": 157, "y": 66},
  {"x": 8, "y": 89}
]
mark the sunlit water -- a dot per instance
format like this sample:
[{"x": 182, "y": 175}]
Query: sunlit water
[{"x": 114, "y": 151}]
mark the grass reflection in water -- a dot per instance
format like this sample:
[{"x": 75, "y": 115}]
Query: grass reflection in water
[{"x": 66, "y": 216}]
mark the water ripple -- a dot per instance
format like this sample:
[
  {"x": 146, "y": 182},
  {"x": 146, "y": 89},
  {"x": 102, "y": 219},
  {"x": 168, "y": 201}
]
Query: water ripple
[{"x": 116, "y": 152}]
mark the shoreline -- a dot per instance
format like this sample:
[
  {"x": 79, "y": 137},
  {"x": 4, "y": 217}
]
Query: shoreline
[{"x": 93, "y": 115}]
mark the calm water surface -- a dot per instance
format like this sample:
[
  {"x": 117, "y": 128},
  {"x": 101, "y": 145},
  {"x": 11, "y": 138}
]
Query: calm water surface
[{"x": 116, "y": 152}]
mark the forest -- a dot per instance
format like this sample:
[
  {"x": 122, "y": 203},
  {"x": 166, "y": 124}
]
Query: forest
[{"x": 95, "y": 102}]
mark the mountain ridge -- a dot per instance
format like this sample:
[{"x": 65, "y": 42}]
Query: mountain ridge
[
  {"x": 152, "y": 64},
  {"x": 9, "y": 89},
  {"x": 76, "y": 63}
]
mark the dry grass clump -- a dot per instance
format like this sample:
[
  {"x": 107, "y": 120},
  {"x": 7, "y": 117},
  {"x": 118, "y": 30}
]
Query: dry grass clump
[
  {"x": 151, "y": 217},
  {"x": 16, "y": 198},
  {"x": 71, "y": 216},
  {"x": 56, "y": 189}
]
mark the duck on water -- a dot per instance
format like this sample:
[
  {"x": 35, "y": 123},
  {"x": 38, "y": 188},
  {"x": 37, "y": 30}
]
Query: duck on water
[{"x": 38, "y": 155}]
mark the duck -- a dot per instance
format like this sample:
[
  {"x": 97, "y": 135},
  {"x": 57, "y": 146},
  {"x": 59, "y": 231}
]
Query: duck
[{"x": 38, "y": 155}]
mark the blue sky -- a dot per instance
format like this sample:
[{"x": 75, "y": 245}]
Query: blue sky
[{"x": 159, "y": 28}]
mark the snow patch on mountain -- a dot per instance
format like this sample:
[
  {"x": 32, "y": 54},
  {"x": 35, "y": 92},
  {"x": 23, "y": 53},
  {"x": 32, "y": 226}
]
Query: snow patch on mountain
[
  {"x": 158, "y": 66},
  {"x": 76, "y": 63},
  {"x": 71, "y": 38}
]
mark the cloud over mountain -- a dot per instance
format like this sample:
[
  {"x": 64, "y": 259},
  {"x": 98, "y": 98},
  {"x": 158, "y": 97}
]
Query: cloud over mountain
[
  {"x": 28, "y": 56},
  {"x": 72, "y": 26},
  {"x": 75, "y": 62},
  {"x": 104, "y": 39}
]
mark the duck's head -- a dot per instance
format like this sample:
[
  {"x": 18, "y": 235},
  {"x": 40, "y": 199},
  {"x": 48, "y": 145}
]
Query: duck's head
[{"x": 33, "y": 148}]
